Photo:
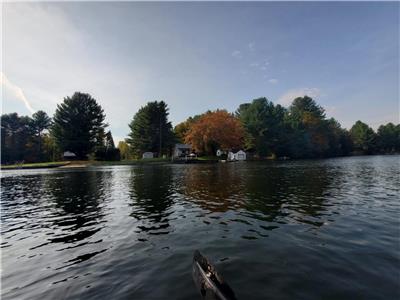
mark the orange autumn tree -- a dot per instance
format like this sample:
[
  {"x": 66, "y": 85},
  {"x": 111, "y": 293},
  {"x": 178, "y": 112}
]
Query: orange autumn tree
[{"x": 215, "y": 130}]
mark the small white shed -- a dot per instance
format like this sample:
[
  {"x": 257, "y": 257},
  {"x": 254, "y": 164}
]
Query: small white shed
[
  {"x": 147, "y": 155},
  {"x": 69, "y": 155}
]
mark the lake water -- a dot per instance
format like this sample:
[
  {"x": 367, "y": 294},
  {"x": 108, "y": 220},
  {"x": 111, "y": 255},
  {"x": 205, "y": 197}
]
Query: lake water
[{"x": 312, "y": 229}]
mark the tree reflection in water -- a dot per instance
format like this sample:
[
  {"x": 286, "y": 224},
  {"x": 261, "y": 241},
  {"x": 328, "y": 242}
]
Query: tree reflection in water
[
  {"x": 78, "y": 198},
  {"x": 215, "y": 188},
  {"x": 277, "y": 193},
  {"x": 151, "y": 192},
  {"x": 283, "y": 194}
]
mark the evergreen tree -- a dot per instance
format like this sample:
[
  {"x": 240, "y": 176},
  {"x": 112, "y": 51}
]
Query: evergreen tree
[
  {"x": 78, "y": 124},
  {"x": 40, "y": 122},
  {"x": 264, "y": 125},
  {"x": 151, "y": 130},
  {"x": 16, "y": 139},
  {"x": 363, "y": 137},
  {"x": 388, "y": 138}
]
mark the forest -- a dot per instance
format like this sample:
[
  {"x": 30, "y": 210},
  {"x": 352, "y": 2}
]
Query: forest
[{"x": 260, "y": 127}]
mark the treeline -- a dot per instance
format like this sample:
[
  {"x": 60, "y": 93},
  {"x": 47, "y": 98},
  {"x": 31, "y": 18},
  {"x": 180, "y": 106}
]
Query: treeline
[
  {"x": 259, "y": 127},
  {"x": 77, "y": 126}
]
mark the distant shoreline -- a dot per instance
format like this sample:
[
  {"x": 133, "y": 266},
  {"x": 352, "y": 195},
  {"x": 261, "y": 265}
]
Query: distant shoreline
[{"x": 155, "y": 161}]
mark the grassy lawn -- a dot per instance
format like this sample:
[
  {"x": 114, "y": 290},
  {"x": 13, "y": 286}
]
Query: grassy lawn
[
  {"x": 88, "y": 163},
  {"x": 208, "y": 158},
  {"x": 35, "y": 165},
  {"x": 130, "y": 162}
]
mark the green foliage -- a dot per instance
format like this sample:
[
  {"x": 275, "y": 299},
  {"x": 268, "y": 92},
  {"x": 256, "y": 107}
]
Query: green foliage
[
  {"x": 311, "y": 135},
  {"x": 363, "y": 137},
  {"x": 264, "y": 125},
  {"x": 151, "y": 130},
  {"x": 40, "y": 122},
  {"x": 17, "y": 143},
  {"x": 388, "y": 138},
  {"x": 301, "y": 131},
  {"x": 78, "y": 124},
  {"x": 125, "y": 150},
  {"x": 105, "y": 149}
]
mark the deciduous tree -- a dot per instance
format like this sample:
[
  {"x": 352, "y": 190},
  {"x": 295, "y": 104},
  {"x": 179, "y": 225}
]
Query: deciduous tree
[{"x": 214, "y": 130}]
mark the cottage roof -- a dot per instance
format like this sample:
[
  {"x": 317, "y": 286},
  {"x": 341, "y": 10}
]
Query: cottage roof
[{"x": 69, "y": 153}]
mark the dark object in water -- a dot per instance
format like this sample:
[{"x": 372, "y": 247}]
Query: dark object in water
[{"x": 208, "y": 281}]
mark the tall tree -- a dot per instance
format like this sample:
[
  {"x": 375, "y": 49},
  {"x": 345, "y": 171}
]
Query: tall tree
[
  {"x": 151, "y": 130},
  {"x": 109, "y": 141},
  {"x": 124, "y": 149},
  {"x": 215, "y": 130},
  {"x": 40, "y": 122},
  {"x": 363, "y": 137},
  {"x": 388, "y": 138},
  {"x": 264, "y": 125},
  {"x": 308, "y": 124},
  {"x": 16, "y": 138},
  {"x": 78, "y": 124}
]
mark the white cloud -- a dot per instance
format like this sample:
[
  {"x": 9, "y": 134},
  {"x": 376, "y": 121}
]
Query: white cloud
[
  {"x": 50, "y": 57},
  {"x": 237, "y": 54},
  {"x": 273, "y": 81},
  {"x": 254, "y": 64},
  {"x": 287, "y": 98},
  {"x": 15, "y": 92}
]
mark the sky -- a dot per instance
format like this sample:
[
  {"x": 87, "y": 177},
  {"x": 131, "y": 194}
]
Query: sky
[{"x": 199, "y": 56}]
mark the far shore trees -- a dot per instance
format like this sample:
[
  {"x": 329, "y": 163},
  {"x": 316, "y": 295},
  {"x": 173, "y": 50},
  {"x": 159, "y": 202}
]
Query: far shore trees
[
  {"x": 16, "y": 135},
  {"x": 215, "y": 130},
  {"x": 40, "y": 122},
  {"x": 150, "y": 130},
  {"x": 388, "y": 138},
  {"x": 261, "y": 127},
  {"x": 264, "y": 125},
  {"x": 78, "y": 124},
  {"x": 363, "y": 137},
  {"x": 124, "y": 150}
]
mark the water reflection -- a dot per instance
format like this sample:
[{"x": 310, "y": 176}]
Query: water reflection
[
  {"x": 275, "y": 193},
  {"x": 151, "y": 193},
  {"x": 78, "y": 199},
  {"x": 215, "y": 188},
  {"x": 305, "y": 229},
  {"x": 278, "y": 193}
]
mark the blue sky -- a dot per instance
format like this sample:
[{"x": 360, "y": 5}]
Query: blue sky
[{"x": 200, "y": 56}]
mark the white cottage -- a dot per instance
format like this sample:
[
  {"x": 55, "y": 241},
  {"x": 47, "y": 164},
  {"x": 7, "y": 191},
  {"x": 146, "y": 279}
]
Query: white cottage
[
  {"x": 240, "y": 155},
  {"x": 147, "y": 155}
]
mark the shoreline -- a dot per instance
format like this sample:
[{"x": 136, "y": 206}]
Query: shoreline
[{"x": 87, "y": 164}]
